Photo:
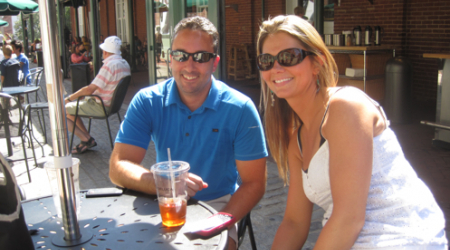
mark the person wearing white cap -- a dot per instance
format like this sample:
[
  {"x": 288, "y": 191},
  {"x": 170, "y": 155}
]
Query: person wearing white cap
[{"x": 113, "y": 70}]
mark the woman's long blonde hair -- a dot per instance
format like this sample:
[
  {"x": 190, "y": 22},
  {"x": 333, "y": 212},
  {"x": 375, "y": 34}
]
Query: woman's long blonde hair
[{"x": 280, "y": 119}]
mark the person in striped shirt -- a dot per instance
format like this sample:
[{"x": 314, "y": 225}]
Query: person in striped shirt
[{"x": 113, "y": 70}]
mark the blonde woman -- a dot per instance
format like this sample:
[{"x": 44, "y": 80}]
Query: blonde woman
[{"x": 334, "y": 148}]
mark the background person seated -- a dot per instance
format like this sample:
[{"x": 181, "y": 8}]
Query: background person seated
[
  {"x": 78, "y": 56},
  {"x": 87, "y": 44},
  {"x": 10, "y": 68},
  {"x": 113, "y": 70}
]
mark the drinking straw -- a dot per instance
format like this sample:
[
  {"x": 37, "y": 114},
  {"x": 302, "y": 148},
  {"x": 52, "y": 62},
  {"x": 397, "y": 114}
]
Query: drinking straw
[{"x": 172, "y": 177}]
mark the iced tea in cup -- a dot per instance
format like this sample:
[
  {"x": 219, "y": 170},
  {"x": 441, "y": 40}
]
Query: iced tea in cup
[{"x": 170, "y": 180}]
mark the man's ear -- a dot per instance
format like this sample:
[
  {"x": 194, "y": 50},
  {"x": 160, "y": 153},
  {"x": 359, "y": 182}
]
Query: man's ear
[{"x": 216, "y": 62}]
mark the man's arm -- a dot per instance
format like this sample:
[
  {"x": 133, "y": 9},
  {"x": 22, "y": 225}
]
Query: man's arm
[
  {"x": 253, "y": 174},
  {"x": 87, "y": 90},
  {"x": 125, "y": 169}
]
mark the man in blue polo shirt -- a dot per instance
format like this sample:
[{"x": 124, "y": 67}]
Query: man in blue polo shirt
[
  {"x": 203, "y": 121},
  {"x": 23, "y": 59}
]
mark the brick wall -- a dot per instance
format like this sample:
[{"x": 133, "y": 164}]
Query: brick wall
[
  {"x": 107, "y": 18},
  {"x": 413, "y": 27},
  {"x": 139, "y": 19}
]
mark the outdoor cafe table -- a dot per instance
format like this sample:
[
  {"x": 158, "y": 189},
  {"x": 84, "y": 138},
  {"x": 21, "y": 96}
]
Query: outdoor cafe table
[
  {"x": 129, "y": 221},
  {"x": 14, "y": 91}
]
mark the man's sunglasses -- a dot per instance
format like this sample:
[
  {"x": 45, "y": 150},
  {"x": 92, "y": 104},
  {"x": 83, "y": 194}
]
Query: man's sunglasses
[
  {"x": 200, "y": 57},
  {"x": 286, "y": 58}
]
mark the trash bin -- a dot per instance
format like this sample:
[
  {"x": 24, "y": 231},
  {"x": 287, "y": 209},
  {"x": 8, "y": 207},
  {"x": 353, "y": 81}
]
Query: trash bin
[
  {"x": 397, "y": 100},
  {"x": 40, "y": 58},
  {"x": 80, "y": 76}
]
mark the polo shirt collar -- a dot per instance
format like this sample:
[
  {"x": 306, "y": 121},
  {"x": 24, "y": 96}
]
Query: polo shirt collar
[{"x": 211, "y": 102}]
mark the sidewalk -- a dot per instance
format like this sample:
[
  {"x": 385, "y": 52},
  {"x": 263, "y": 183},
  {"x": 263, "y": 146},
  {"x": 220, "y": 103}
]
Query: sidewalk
[
  {"x": 431, "y": 164},
  {"x": 94, "y": 170}
]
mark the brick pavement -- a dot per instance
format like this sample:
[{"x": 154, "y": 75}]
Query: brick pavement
[{"x": 431, "y": 164}]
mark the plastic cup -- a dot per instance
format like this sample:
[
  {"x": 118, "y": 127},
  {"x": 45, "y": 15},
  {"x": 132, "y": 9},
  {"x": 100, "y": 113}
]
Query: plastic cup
[
  {"x": 170, "y": 180},
  {"x": 52, "y": 173}
]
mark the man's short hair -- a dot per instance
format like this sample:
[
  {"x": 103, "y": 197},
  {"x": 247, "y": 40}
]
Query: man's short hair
[
  {"x": 201, "y": 24},
  {"x": 17, "y": 45},
  {"x": 7, "y": 50}
]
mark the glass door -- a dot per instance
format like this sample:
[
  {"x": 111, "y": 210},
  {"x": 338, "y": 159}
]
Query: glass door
[
  {"x": 122, "y": 20},
  {"x": 166, "y": 14},
  {"x": 162, "y": 31}
]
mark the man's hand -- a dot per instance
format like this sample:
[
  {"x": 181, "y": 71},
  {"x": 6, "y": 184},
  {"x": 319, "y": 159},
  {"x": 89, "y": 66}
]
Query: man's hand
[{"x": 194, "y": 184}]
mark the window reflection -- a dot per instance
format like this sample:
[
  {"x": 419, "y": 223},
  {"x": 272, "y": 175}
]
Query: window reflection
[{"x": 196, "y": 8}]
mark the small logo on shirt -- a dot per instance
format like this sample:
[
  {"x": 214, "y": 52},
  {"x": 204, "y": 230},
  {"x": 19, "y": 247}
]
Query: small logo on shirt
[{"x": 215, "y": 130}]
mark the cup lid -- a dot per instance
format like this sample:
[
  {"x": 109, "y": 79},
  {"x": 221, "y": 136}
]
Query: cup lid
[{"x": 165, "y": 167}]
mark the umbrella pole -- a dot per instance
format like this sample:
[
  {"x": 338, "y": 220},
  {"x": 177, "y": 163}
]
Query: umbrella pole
[{"x": 62, "y": 157}]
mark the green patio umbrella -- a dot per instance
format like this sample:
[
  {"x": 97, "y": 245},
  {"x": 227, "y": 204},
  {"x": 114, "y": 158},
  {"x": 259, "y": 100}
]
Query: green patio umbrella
[
  {"x": 3, "y": 23},
  {"x": 14, "y": 7}
]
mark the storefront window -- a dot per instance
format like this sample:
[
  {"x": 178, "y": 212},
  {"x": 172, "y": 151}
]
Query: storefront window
[{"x": 197, "y": 8}]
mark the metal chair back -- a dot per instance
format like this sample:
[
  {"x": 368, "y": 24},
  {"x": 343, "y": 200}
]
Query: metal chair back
[
  {"x": 119, "y": 95},
  {"x": 15, "y": 123},
  {"x": 41, "y": 101},
  {"x": 36, "y": 76},
  {"x": 116, "y": 103}
]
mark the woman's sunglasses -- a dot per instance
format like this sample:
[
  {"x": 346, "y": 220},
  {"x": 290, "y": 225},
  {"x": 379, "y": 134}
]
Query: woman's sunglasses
[
  {"x": 286, "y": 58},
  {"x": 200, "y": 57}
]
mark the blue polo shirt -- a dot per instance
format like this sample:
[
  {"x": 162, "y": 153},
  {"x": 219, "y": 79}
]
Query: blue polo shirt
[
  {"x": 225, "y": 128},
  {"x": 25, "y": 68}
]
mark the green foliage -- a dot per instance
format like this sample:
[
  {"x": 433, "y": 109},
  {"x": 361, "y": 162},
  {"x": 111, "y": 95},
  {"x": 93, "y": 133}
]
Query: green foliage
[{"x": 36, "y": 27}]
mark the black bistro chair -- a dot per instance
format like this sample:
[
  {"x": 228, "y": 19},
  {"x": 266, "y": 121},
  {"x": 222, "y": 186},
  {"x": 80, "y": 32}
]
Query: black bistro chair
[
  {"x": 16, "y": 123},
  {"x": 116, "y": 104},
  {"x": 244, "y": 224},
  {"x": 41, "y": 101}
]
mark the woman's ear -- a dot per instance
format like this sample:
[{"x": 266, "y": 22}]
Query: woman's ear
[{"x": 318, "y": 62}]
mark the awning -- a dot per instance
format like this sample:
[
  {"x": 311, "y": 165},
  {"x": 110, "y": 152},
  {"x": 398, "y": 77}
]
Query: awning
[{"x": 14, "y": 7}]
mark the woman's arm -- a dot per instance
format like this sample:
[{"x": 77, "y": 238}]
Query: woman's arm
[
  {"x": 76, "y": 58},
  {"x": 293, "y": 230},
  {"x": 349, "y": 130}
]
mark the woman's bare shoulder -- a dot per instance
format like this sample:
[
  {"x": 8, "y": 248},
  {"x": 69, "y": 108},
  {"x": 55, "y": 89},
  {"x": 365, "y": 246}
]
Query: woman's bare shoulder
[{"x": 349, "y": 108}]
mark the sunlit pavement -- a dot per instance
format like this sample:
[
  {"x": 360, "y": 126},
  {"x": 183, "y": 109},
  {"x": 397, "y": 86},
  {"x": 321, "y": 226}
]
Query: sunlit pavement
[{"x": 431, "y": 164}]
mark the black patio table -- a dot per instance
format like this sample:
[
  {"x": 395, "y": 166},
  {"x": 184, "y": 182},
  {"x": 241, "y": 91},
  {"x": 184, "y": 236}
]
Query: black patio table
[
  {"x": 129, "y": 221},
  {"x": 20, "y": 90}
]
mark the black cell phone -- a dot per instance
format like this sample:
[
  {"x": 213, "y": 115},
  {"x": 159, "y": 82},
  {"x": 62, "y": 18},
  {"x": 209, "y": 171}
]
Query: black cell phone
[
  {"x": 104, "y": 192},
  {"x": 213, "y": 224}
]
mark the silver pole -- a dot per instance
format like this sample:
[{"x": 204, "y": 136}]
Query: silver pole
[{"x": 53, "y": 76}]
